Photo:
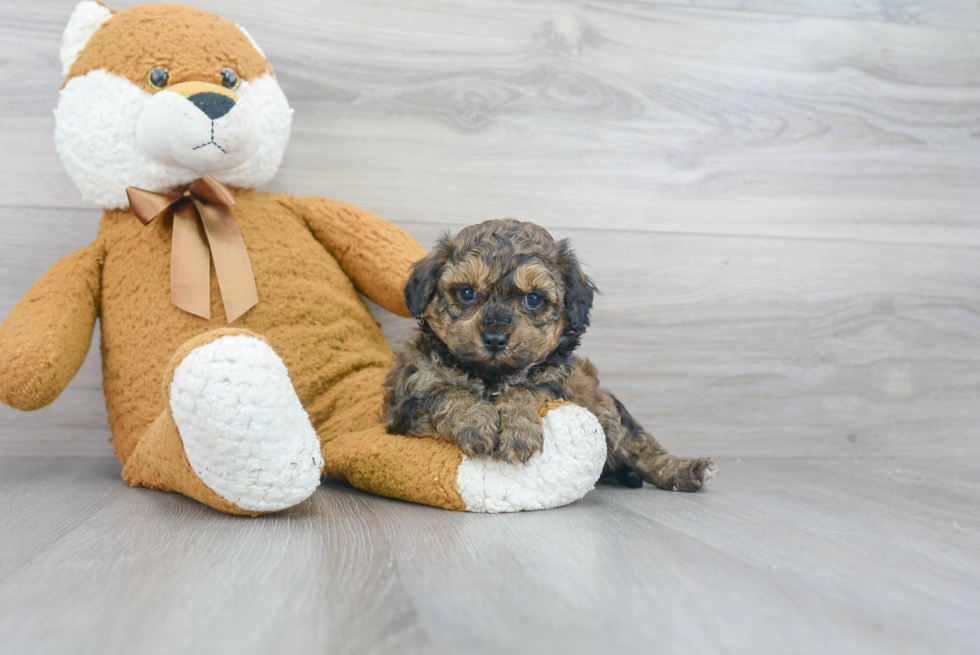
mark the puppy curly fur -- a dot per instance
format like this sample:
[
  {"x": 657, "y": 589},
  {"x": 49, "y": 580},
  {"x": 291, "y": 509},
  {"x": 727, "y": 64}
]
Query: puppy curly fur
[{"x": 501, "y": 309}]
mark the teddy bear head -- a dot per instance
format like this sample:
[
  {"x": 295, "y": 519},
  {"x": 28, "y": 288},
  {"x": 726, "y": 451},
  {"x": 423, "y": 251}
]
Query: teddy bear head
[{"x": 158, "y": 95}]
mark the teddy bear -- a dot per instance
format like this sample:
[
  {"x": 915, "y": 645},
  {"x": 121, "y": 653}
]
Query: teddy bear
[{"x": 240, "y": 362}]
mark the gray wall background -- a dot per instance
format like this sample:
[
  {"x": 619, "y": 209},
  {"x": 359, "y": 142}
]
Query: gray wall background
[{"x": 779, "y": 200}]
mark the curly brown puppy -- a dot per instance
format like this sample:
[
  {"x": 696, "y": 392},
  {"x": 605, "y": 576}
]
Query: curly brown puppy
[{"x": 501, "y": 308}]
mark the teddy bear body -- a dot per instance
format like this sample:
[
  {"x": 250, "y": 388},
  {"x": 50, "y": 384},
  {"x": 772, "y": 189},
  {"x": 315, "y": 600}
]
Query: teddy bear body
[
  {"x": 310, "y": 257},
  {"x": 309, "y": 309}
]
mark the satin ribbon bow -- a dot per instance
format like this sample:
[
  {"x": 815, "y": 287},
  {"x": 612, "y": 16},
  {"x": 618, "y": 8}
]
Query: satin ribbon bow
[{"x": 203, "y": 227}]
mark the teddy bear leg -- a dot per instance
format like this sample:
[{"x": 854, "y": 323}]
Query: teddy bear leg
[
  {"x": 356, "y": 448},
  {"x": 434, "y": 472},
  {"x": 234, "y": 435},
  {"x": 408, "y": 468}
]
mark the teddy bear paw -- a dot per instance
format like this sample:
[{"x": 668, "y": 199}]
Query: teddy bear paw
[
  {"x": 566, "y": 469},
  {"x": 245, "y": 433}
]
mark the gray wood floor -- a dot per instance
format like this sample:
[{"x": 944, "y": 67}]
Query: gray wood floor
[
  {"x": 778, "y": 556},
  {"x": 779, "y": 200}
]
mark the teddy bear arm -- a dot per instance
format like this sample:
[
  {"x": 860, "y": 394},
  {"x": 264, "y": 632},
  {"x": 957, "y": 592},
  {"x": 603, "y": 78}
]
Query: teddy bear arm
[
  {"x": 376, "y": 254},
  {"x": 45, "y": 337}
]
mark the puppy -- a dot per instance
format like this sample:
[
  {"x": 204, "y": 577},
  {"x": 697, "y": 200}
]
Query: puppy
[{"x": 501, "y": 309}]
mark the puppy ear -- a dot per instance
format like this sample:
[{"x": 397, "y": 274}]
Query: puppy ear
[
  {"x": 579, "y": 289},
  {"x": 421, "y": 285}
]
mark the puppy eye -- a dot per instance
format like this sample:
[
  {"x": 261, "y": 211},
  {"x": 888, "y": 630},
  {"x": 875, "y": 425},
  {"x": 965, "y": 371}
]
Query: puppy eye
[
  {"x": 533, "y": 300},
  {"x": 158, "y": 77},
  {"x": 230, "y": 79},
  {"x": 466, "y": 295}
]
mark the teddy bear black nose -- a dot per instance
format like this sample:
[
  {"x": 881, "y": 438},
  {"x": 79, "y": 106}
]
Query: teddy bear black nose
[
  {"x": 214, "y": 105},
  {"x": 494, "y": 341}
]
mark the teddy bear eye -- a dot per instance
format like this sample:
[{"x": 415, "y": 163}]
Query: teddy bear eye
[
  {"x": 230, "y": 79},
  {"x": 158, "y": 77},
  {"x": 533, "y": 300}
]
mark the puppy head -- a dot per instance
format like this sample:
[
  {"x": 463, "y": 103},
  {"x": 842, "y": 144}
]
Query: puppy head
[
  {"x": 501, "y": 295},
  {"x": 158, "y": 95}
]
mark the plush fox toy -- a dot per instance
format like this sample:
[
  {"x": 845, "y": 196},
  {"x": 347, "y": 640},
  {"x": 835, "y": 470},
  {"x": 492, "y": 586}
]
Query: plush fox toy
[{"x": 239, "y": 360}]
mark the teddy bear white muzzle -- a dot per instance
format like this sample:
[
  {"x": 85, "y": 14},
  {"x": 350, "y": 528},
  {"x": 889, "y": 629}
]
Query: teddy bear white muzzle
[{"x": 199, "y": 126}]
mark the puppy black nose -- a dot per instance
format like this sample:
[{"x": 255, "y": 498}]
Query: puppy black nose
[
  {"x": 214, "y": 105},
  {"x": 494, "y": 341}
]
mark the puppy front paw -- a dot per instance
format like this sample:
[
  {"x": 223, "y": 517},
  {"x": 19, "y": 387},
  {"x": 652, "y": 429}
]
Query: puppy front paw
[
  {"x": 476, "y": 430},
  {"x": 521, "y": 438}
]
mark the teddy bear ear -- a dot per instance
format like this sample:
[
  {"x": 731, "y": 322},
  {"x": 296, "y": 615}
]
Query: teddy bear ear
[
  {"x": 84, "y": 22},
  {"x": 250, "y": 39}
]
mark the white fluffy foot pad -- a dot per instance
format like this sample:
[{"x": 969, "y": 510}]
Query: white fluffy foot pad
[
  {"x": 568, "y": 468},
  {"x": 244, "y": 431}
]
